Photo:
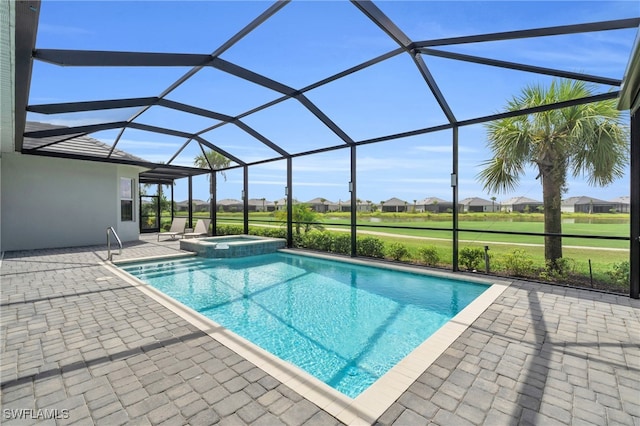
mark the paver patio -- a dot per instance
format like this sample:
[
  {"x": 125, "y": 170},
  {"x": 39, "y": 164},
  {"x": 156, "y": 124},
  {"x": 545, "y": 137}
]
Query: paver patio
[{"x": 87, "y": 346}]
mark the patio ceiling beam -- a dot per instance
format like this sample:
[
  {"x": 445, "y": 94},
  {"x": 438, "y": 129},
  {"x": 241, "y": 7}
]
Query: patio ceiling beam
[
  {"x": 533, "y": 110},
  {"x": 281, "y": 88},
  {"x": 383, "y": 21},
  {"x": 433, "y": 86},
  {"x": 325, "y": 120},
  {"x": 97, "y": 58},
  {"x": 251, "y": 76},
  {"x": 149, "y": 165},
  {"x": 354, "y": 69},
  {"x": 270, "y": 11},
  {"x": 223, "y": 118},
  {"x": 542, "y": 108},
  {"x": 520, "y": 67},
  {"x": 194, "y": 110},
  {"x": 185, "y": 135},
  {"x": 66, "y": 107},
  {"x": 61, "y": 131},
  {"x": 537, "y": 32},
  {"x": 184, "y": 145},
  {"x": 261, "y": 138},
  {"x": 156, "y": 129},
  {"x": 219, "y": 150},
  {"x": 389, "y": 27}
]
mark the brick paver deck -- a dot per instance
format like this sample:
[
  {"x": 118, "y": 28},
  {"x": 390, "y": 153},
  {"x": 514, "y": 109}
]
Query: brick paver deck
[{"x": 82, "y": 344}]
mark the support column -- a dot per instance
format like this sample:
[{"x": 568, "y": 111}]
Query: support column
[
  {"x": 288, "y": 194},
  {"x": 190, "y": 204},
  {"x": 454, "y": 187},
  {"x": 354, "y": 203},
  {"x": 245, "y": 198},
  {"x": 213, "y": 202},
  {"x": 634, "y": 215},
  {"x": 172, "y": 212},
  {"x": 159, "y": 208}
]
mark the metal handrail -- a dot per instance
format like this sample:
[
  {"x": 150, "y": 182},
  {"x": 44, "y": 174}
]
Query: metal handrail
[{"x": 110, "y": 231}]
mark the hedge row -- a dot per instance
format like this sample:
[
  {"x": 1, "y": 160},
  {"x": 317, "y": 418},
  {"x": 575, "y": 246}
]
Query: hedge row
[{"x": 517, "y": 263}]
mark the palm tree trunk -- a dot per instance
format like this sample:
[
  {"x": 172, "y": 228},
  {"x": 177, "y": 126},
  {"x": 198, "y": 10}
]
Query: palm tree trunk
[{"x": 552, "y": 198}]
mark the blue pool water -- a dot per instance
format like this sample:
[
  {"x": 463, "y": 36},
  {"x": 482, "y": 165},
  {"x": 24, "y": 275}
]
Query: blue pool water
[{"x": 343, "y": 323}]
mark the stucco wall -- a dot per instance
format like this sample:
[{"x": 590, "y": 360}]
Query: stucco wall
[{"x": 52, "y": 202}]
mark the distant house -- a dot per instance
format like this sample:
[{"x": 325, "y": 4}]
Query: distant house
[
  {"x": 229, "y": 205},
  {"x": 623, "y": 204},
  {"x": 521, "y": 205},
  {"x": 260, "y": 205},
  {"x": 321, "y": 205},
  {"x": 198, "y": 205},
  {"x": 478, "y": 205},
  {"x": 394, "y": 205},
  {"x": 434, "y": 205},
  {"x": 584, "y": 204},
  {"x": 280, "y": 204}
]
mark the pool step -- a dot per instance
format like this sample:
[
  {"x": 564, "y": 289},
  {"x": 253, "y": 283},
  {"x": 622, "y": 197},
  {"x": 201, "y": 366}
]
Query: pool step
[{"x": 173, "y": 268}]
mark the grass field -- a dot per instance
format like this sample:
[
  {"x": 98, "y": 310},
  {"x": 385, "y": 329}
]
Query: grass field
[{"x": 589, "y": 258}]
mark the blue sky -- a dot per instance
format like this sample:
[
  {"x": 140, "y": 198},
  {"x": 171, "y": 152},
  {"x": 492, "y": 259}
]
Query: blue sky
[{"x": 307, "y": 41}]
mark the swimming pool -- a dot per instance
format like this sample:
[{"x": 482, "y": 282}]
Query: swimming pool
[{"x": 345, "y": 324}]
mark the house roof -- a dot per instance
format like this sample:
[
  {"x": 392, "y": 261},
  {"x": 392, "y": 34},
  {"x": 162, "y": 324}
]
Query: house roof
[
  {"x": 476, "y": 201},
  {"x": 432, "y": 200},
  {"x": 625, "y": 199},
  {"x": 319, "y": 200},
  {"x": 395, "y": 202},
  {"x": 228, "y": 202},
  {"x": 259, "y": 202},
  {"x": 583, "y": 199},
  {"x": 82, "y": 147},
  {"x": 78, "y": 144},
  {"x": 520, "y": 200},
  {"x": 194, "y": 201}
]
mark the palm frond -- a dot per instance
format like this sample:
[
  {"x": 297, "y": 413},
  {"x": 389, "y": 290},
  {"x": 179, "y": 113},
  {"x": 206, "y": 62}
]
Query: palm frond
[{"x": 500, "y": 175}]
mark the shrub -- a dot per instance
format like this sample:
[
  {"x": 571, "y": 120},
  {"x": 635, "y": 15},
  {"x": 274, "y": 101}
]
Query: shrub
[
  {"x": 229, "y": 230},
  {"x": 397, "y": 251},
  {"x": 518, "y": 263},
  {"x": 429, "y": 255},
  {"x": 316, "y": 240},
  {"x": 562, "y": 268},
  {"x": 620, "y": 273},
  {"x": 341, "y": 244},
  {"x": 471, "y": 258},
  {"x": 370, "y": 246}
]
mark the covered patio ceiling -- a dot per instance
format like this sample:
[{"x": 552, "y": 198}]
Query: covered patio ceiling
[{"x": 191, "y": 124}]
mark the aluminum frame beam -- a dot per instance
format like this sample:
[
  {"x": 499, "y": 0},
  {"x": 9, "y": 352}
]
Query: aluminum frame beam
[
  {"x": 619, "y": 24},
  {"x": 99, "y": 58},
  {"x": 387, "y": 25},
  {"x": 520, "y": 67},
  {"x": 27, "y": 15}
]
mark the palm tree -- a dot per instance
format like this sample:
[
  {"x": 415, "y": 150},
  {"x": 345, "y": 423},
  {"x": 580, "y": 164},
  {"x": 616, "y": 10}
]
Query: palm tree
[
  {"x": 217, "y": 161},
  {"x": 582, "y": 140}
]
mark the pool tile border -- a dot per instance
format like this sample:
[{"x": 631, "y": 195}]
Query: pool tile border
[{"x": 375, "y": 400}]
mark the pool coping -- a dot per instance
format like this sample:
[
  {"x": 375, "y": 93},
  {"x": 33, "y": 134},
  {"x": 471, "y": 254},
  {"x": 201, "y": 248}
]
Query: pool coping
[{"x": 367, "y": 407}]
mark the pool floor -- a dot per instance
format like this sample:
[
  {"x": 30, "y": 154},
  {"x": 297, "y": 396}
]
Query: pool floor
[{"x": 345, "y": 324}]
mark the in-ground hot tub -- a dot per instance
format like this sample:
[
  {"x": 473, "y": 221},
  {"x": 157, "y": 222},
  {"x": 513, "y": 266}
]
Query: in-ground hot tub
[{"x": 232, "y": 245}]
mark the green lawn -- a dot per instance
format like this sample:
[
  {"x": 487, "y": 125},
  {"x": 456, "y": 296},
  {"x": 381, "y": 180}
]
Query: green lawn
[{"x": 602, "y": 254}]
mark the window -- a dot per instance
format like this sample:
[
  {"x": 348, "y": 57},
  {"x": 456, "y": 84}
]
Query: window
[{"x": 126, "y": 199}]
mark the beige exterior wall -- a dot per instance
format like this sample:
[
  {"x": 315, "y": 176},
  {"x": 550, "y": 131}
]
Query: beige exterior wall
[{"x": 52, "y": 202}]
